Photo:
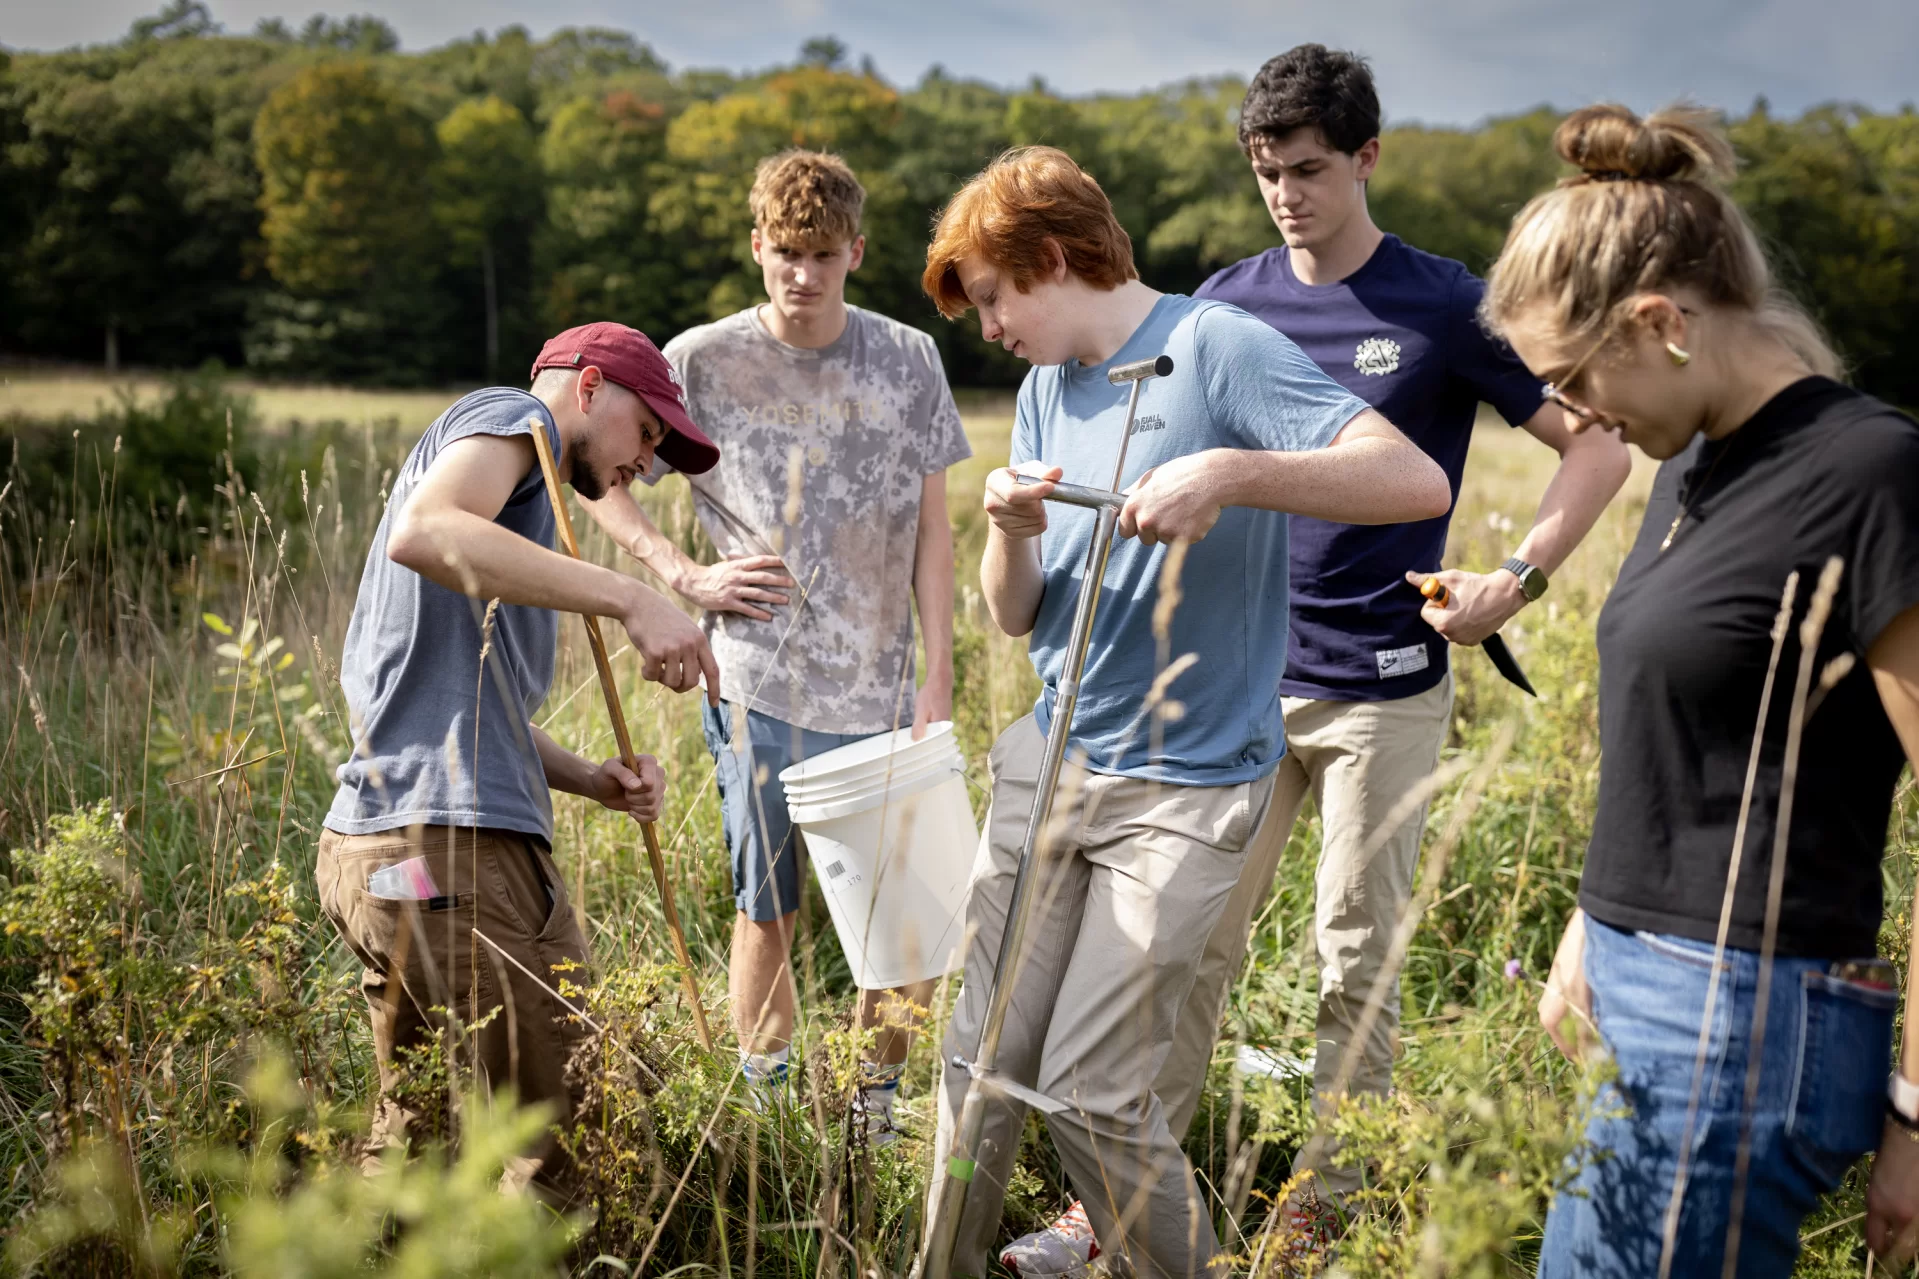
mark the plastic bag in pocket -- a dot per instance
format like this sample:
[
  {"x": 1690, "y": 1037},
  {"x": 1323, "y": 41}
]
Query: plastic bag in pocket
[{"x": 407, "y": 881}]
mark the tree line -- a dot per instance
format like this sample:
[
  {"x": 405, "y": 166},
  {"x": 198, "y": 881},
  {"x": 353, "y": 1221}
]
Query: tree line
[{"x": 314, "y": 203}]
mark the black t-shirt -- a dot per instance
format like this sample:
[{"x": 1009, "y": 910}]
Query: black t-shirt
[{"x": 1684, "y": 641}]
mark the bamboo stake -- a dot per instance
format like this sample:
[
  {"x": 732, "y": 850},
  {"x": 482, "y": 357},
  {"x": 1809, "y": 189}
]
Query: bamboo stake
[{"x": 564, "y": 522}]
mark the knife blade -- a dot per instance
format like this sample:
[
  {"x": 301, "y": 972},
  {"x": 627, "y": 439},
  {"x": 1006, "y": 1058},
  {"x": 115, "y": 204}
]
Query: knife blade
[{"x": 1502, "y": 657}]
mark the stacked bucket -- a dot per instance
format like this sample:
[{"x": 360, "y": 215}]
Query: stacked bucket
[{"x": 890, "y": 833}]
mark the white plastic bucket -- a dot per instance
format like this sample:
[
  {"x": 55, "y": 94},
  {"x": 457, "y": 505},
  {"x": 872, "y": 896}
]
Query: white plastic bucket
[
  {"x": 904, "y": 774},
  {"x": 890, "y": 834},
  {"x": 873, "y": 758}
]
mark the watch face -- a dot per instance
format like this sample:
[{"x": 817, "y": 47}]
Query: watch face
[{"x": 1532, "y": 581}]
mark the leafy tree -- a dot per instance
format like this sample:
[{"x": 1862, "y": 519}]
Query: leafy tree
[
  {"x": 1840, "y": 230},
  {"x": 1454, "y": 191},
  {"x": 501, "y": 66},
  {"x": 714, "y": 148},
  {"x": 16, "y": 197},
  {"x": 361, "y": 33},
  {"x": 487, "y": 192},
  {"x": 824, "y": 51},
  {"x": 599, "y": 254},
  {"x": 572, "y": 56},
  {"x": 345, "y": 167},
  {"x": 181, "y": 19},
  {"x": 285, "y": 197},
  {"x": 134, "y": 193}
]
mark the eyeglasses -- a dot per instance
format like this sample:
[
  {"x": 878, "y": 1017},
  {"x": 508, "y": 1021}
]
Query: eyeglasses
[{"x": 1584, "y": 415}]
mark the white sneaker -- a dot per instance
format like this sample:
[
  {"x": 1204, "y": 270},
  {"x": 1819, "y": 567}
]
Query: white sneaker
[
  {"x": 1064, "y": 1250},
  {"x": 764, "y": 1075},
  {"x": 873, "y": 1103}
]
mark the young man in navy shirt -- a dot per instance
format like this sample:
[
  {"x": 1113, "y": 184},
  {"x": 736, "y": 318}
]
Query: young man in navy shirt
[{"x": 1367, "y": 694}]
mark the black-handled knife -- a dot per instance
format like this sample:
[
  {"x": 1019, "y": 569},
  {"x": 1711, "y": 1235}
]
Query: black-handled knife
[{"x": 1503, "y": 660}]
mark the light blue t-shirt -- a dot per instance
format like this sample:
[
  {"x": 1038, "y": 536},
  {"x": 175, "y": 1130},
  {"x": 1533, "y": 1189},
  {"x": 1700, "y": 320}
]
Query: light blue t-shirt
[
  {"x": 436, "y": 742},
  {"x": 1236, "y": 383}
]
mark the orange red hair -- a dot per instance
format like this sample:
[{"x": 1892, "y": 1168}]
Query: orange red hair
[{"x": 1010, "y": 211}]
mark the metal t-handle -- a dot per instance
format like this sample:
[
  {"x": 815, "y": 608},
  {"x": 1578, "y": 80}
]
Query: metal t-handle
[{"x": 1075, "y": 494}]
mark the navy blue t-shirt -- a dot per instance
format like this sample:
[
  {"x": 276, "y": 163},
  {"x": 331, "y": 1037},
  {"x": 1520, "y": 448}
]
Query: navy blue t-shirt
[{"x": 1403, "y": 334}]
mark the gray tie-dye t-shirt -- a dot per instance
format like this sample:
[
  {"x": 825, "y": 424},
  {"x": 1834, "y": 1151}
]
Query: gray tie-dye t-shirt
[{"x": 822, "y": 454}]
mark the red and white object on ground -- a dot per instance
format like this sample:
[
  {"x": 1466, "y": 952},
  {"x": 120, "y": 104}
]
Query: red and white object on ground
[{"x": 1064, "y": 1250}]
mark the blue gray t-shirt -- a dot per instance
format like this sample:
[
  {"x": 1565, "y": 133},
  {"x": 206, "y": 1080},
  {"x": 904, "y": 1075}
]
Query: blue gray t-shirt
[
  {"x": 1236, "y": 383},
  {"x": 436, "y": 742},
  {"x": 1403, "y": 334}
]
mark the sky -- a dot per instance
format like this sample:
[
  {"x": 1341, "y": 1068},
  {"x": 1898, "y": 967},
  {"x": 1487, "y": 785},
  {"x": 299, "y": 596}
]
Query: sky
[{"x": 1437, "y": 61}]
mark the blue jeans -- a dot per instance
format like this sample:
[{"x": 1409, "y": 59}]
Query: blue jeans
[
  {"x": 1820, "y": 1105},
  {"x": 759, "y": 835}
]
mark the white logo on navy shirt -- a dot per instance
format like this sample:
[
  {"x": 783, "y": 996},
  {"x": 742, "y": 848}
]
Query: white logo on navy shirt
[
  {"x": 1401, "y": 661},
  {"x": 1376, "y": 357}
]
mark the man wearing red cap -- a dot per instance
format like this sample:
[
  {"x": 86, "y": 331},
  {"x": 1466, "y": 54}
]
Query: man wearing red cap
[{"x": 443, "y": 825}]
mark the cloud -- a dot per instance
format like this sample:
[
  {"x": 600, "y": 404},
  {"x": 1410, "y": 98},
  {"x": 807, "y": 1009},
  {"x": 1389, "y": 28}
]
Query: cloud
[{"x": 1451, "y": 62}]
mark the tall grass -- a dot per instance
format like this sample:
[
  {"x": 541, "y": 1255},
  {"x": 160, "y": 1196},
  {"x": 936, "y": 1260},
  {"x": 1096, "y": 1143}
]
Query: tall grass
[{"x": 185, "y": 1068}]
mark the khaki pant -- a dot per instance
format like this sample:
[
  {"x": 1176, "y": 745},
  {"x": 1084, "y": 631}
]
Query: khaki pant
[
  {"x": 1358, "y": 759},
  {"x": 422, "y": 956},
  {"x": 1138, "y": 873}
]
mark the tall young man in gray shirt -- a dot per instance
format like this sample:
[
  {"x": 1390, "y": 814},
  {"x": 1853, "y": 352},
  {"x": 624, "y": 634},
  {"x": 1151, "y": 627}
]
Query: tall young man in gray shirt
[
  {"x": 443, "y": 824},
  {"x": 829, "y": 511}
]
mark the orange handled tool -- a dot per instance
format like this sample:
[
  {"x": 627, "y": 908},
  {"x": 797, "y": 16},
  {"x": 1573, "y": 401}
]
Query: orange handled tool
[
  {"x": 1435, "y": 590},
  {"x": 612, "y": 692}
]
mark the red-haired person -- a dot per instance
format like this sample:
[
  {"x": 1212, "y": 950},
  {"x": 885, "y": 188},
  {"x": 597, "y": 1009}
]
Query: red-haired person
[
  {"x": 1151, "y": 823},
  {"x": 1638, "y": 290},
  {"x": 1368, "y": 689}
]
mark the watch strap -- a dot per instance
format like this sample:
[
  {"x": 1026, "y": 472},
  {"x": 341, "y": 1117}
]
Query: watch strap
[
  {"x": 1902, "y": 1098},
  {"x": 1532, "y": 579}
]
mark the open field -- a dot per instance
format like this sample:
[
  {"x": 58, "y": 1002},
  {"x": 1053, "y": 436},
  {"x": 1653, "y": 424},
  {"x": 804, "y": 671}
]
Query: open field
[
  {"x": 1507, "y": 471},
  {"x": 184, "y": 1065},
  {"x": 78, "y": 394}
]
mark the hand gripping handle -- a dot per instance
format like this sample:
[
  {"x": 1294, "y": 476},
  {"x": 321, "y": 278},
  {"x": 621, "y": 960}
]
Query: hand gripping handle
[{"x": 1076, "y": 494}]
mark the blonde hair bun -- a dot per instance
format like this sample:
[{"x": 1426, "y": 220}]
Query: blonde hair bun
[
  {"x": 1648, "y": 213},
  {"x": 1609, "y": 143}
]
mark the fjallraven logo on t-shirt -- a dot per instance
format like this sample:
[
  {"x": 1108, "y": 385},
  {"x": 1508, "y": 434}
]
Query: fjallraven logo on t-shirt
[
  {"x": 1376, "y": 357},
  {"x": 1150, "y": 422}
]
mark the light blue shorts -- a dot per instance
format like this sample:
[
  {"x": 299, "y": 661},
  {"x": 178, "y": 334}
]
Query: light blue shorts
[{"x": 766, "y": 853}]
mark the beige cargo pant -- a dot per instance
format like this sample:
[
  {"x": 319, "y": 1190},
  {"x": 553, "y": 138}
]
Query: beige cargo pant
[
  {"x": 421, "y": 957},
  {"x": 1137, "y": 874},
  {"x": 1357, "y": 759}
]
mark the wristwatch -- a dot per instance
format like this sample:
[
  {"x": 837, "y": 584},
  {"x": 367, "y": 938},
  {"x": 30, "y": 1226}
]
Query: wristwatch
[{"x": 1532, "y": 581}]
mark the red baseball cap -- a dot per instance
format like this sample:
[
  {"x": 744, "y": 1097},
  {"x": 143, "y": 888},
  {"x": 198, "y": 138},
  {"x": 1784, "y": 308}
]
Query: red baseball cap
[{"x": 628, "y": 356}]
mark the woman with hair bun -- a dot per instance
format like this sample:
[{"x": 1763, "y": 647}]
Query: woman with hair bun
[{"x": 1742, "y": 1000}]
